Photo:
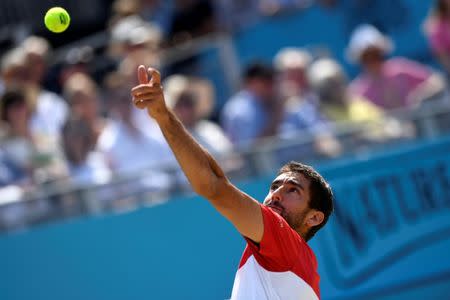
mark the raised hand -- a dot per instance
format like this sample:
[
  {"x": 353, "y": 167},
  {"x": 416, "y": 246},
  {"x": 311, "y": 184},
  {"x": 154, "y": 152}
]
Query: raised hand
[{"x": 149, "y": 93}]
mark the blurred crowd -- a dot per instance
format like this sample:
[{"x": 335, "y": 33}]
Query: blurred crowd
[{"x": 86, "y": 131}]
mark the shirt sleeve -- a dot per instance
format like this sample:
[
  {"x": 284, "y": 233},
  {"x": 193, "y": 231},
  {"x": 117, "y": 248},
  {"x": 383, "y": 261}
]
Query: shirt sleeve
[
  {"x": 280, "y": 247},
  {"x": 239, "y": 123},
  {"x": 241, "y": 129},
  {"x": 416, "y": 72}
]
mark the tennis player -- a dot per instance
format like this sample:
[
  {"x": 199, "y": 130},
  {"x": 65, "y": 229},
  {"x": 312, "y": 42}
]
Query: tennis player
[{"x": 277, "y": 263}]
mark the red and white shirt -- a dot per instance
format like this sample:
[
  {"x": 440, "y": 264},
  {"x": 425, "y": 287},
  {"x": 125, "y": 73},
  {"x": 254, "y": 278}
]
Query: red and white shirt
[{"x": 281, "y": 267}]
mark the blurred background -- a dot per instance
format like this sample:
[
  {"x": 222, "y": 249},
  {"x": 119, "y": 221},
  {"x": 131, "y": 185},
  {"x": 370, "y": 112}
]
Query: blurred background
[{"x": 94, "y": 206}]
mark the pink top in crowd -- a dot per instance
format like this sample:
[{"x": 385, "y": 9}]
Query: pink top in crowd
[{"x": 393, "y": 88}]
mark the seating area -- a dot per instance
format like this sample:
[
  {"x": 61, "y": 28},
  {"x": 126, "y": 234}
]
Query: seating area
[{"x": 68, "y": 128}]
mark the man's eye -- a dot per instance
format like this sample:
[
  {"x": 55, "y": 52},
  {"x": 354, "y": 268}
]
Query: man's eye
[{"x": 293, "y": 190}]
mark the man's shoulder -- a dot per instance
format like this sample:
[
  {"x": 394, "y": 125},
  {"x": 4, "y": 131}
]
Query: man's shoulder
[
  {"x": 241, "y": 105},
  {"x": 400, "y": 65},
  {"x": 241, "y": 98}
]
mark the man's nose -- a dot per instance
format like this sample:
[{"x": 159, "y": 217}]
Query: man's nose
[{"x": 276, "y": 195}]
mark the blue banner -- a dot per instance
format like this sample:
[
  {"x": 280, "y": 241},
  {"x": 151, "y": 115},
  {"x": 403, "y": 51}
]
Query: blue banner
[{"x": 391, "y": 226}]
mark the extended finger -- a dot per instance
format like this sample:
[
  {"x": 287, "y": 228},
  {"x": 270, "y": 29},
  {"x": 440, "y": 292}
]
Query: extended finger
[
  {"x": 142, "y": 75},
  {"x": 155, "y": 76}
]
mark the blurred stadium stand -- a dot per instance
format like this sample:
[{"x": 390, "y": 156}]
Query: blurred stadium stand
[{"x": 58, "y": 200}]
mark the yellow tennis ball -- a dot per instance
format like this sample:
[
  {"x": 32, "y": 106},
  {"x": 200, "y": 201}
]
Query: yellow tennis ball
[{"x": 57, "y": 19}]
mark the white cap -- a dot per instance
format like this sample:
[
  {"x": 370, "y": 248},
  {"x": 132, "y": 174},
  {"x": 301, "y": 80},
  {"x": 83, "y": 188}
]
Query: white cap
[
  {"x": 323, "y": 70},
  {"x": 203, "y": 90},
  {"x": 134, "y": 30},
  {"x": 291, "y": 58},
  {"x": 366, "y": 36}
]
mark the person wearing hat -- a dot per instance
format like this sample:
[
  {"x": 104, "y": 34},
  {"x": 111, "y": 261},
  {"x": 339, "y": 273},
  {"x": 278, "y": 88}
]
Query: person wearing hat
[
  {"x": 343, "y": 108},
  {"x": 291, "y": 64},
  {"x": 192, "y": 101},
  {"x": 389, "y": 83},
  {"x": 49, "y": 109},
  {"x": 329, "y": 82},
  {"x": 302, "y": 115}
]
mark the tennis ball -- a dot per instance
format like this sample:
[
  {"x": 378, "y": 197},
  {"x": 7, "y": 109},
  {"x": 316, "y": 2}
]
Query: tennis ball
[{"x": 57, "y": 19}]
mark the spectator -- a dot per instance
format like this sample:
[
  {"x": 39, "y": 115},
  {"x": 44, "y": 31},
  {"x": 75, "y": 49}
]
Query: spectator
[
  {"x": 151, "y": 167},
  {"x": 301, "y": 102},
  {"x": 13, "y": 68},
  {"x": 437, "y": 28},
  {"x": 23, "y": 69},
  {"x": 343, "y": 108},
  {"x": 127, "y": 69},
  {"x": 389, "y": 83},
  {"x": 87, "y": 167},
  {"x": 121, "y": 137},
  {"x": 291, "y": 65},
  {"x": 17, "y": 145},
  {"x": 124, "y": 8},
  {"x": 76, "y": 60},
  {"x": 50, "y": 110},
  {"x": 192, "y": 100},
  {"x": 255, "y": 111},
  {"x": 336, "y": 102},
  {"x": 302, "y": 115},
  {"x": 132, "y": 35},
  {"x": 81, "y": 93},
  {"x": 157, "y": 12}
]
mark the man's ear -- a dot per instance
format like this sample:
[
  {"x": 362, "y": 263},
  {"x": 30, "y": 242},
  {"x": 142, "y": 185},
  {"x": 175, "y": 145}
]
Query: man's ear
[{"x": 314, "y": 218}]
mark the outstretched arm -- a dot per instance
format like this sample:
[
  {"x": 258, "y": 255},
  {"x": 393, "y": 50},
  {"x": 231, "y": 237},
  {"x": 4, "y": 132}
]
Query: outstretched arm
[{"x": 204, "y": 174}]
